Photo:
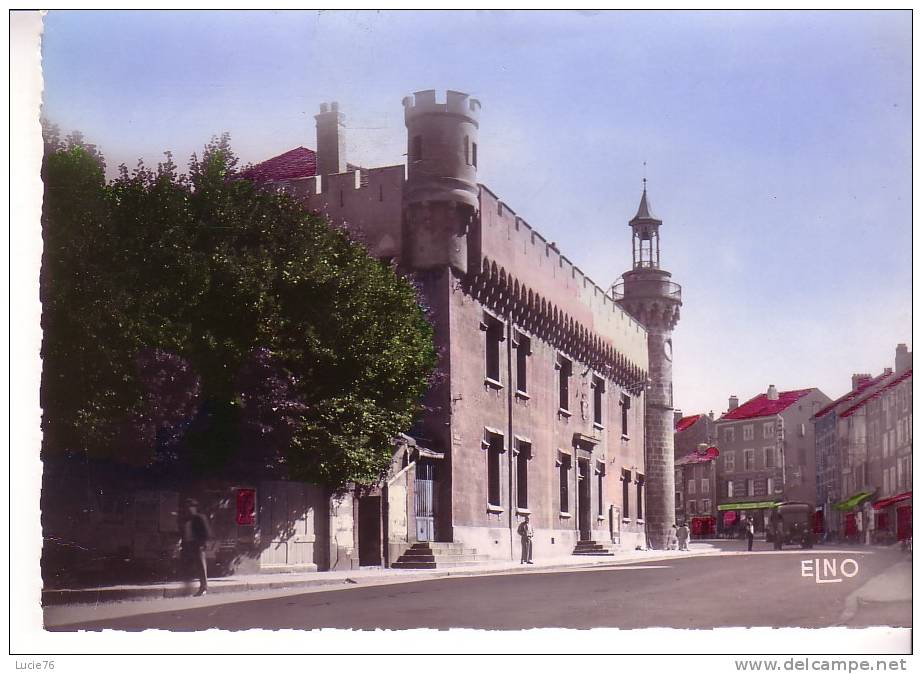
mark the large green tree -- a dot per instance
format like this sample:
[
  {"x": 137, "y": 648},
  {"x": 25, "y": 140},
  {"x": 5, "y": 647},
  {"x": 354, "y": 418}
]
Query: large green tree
[{"x": 201, "y": 320}]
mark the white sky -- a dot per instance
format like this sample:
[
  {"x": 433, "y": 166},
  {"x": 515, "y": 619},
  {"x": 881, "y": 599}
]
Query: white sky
[{"x": 777, "y": 147}]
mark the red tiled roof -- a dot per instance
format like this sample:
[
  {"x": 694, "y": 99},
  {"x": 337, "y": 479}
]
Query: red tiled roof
[
  {"x": 686, "y": 422},
  {"x": 896, "y": 379},
  {"x": 709, "y": 454},
  {"x": 851, "y": 395},
  {"x": 761, "y": 406},
  {"x": 297, "y": 163}
]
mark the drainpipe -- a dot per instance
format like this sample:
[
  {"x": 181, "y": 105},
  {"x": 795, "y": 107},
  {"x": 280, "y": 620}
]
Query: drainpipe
[{"x": 510, "y": 395}]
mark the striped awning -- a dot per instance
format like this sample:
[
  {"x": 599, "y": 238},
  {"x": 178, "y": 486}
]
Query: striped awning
[
  {"x": 884, "y": 502},
  {"x": 853, "y": 501}
]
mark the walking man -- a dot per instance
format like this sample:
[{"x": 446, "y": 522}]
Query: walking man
[
  {"x": 526, "y": 532},
  {"x": 750, "y": 532},
  {"x": 195, "y": 534}
]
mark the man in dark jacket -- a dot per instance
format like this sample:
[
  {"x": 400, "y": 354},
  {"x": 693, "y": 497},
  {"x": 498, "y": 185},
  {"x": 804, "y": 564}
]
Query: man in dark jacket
[
  {"x": 526, "y": 533},
  {"x": 682, "y": 534},
  {"x": 195, "y": 534}
]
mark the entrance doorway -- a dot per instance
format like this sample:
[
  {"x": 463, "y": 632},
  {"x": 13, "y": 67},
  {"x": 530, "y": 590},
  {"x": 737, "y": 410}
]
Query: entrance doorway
[
  {"x": 584, "y": 504},
  {"x": 425, "y": 501},
  {"x": 370, "y": 531}
]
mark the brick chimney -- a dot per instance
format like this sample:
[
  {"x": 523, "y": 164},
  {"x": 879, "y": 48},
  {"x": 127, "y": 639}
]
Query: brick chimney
[
  {"x": 858, "y": 379},
  {"x": 676, "y": 416},
  {"x": 331, "y": 140},
  {"x": 903, "y": 358},
  {"x": 733, "y": 404},
  {"x": 772, "y": 392}
]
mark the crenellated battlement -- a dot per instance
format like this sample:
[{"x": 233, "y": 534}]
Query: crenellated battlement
[
  {"x": 362, "y": 183},
  {"x": 520, "y": 251},
  {"x": 456, "y": 103},
  {"x": 367, "y": 202}
]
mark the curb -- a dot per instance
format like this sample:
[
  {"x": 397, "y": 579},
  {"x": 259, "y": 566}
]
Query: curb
[
  {"x": 854, "y": 600},
  {"x": 64, "y": 597},
  {"x": 99, "y": 595}
]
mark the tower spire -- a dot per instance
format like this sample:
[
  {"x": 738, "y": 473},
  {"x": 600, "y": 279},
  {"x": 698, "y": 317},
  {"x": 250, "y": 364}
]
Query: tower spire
[
  {"x": 646, "y": 234},
  {"x": 643, "y": 210}
]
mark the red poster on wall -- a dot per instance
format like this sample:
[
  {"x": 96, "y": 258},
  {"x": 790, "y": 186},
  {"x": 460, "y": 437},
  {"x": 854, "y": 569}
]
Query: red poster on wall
[{"x": 246, "y": 507}]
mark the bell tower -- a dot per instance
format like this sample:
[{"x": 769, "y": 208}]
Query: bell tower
[{"x": 649, "y": 295}]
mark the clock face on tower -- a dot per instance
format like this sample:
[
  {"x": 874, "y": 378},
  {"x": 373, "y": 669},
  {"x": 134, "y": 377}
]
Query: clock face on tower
[{"x": 667, "y": 349}]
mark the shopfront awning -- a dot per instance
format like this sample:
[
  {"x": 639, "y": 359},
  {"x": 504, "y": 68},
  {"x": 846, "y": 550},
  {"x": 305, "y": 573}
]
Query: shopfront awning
[
  {"x": 758, "y": 505},
  {"x": 853, "y": 501},
  {"x": 884, "y": 502}
]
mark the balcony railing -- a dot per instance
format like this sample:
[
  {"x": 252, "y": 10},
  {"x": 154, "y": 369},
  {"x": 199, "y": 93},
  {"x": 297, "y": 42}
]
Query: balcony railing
[{"x": 647, "y": 288}]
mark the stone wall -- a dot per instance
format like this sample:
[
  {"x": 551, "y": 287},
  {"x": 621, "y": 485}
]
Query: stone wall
[{"x": 482, "y": 406}]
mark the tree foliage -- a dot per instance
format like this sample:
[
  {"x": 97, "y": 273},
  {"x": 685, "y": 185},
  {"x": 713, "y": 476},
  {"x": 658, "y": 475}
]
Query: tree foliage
[{"x": 201, "y": 320}]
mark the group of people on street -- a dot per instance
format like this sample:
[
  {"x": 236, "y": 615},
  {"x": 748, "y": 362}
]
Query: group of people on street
[{"x": 678, "y": 540}]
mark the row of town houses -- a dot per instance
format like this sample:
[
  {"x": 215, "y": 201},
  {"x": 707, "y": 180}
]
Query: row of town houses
[{"x": 850, "y": 458}]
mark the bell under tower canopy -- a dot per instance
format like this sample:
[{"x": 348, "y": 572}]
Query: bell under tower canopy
[{"x": 646, "y": 235}]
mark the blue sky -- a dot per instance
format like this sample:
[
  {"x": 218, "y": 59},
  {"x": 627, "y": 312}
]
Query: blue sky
[{"x": 777, "y": 145}]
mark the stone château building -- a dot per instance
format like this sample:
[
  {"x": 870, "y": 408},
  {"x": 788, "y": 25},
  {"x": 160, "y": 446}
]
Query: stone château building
[{"x": 539, "y": 406}]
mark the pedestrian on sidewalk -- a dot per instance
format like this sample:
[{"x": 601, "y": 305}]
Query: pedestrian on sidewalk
[
  {"x": 195, "y": 535},
  {"x": 672, "y": 541},
  {"x": 527, "y": 533},
  {"x": 682, "y": 534},
  {"x": 750, "y": 532}
]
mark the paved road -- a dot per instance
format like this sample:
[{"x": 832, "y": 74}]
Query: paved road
[{"x": 759, "y": 589}]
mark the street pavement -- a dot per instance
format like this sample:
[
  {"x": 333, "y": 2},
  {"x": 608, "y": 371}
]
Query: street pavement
[{"x": 728, "y": 587}]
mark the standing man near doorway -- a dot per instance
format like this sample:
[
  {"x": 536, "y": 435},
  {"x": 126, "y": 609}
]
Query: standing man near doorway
[
  {"x": 526, "y": 532},
  {"x": 195, "y": 534}
]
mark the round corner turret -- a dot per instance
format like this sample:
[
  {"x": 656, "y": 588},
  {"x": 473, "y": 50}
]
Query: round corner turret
[{"x": 441, "y": 197}]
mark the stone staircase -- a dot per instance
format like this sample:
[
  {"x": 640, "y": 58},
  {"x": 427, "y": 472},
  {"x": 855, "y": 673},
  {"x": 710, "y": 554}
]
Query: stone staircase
[
  {"x": 594, "y": 549},
  {"x": 438, "y": 556}
]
